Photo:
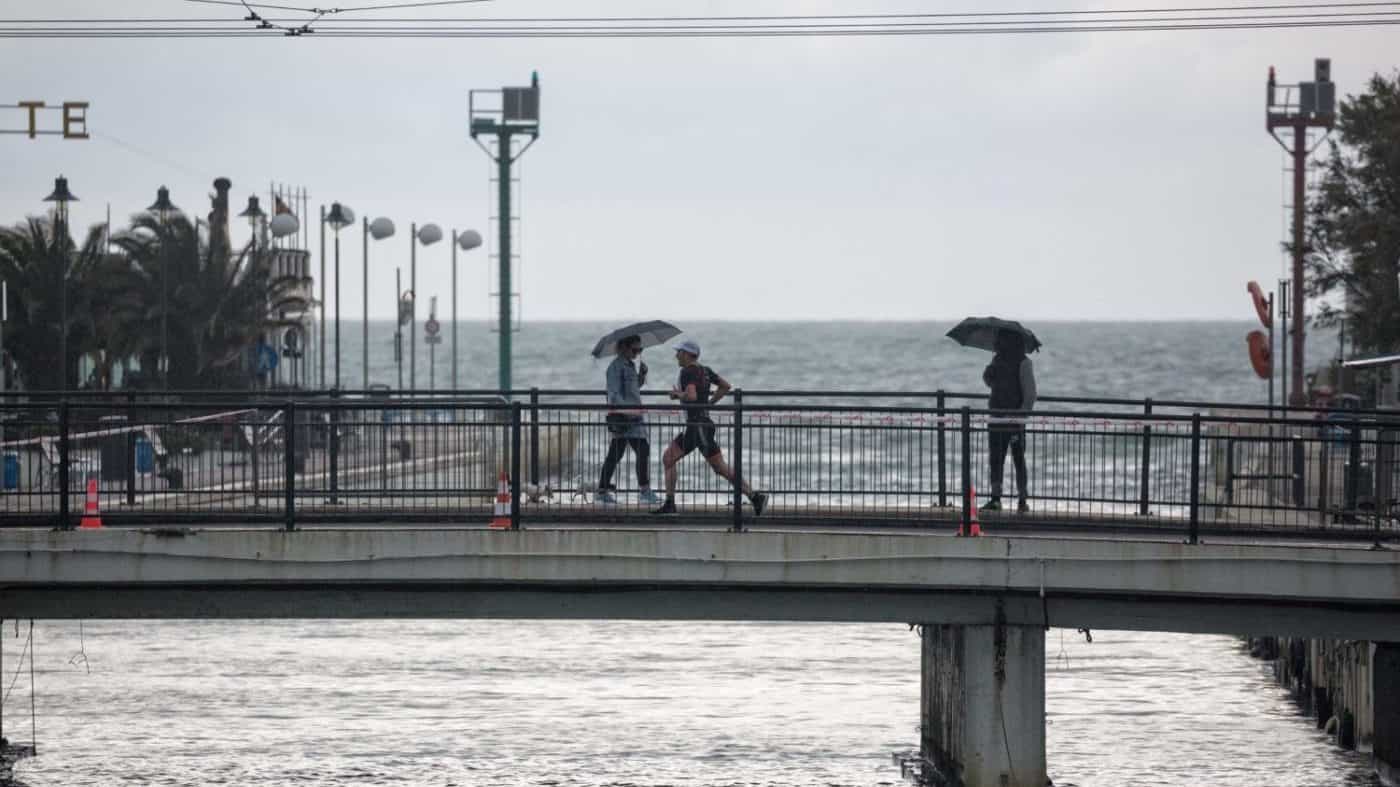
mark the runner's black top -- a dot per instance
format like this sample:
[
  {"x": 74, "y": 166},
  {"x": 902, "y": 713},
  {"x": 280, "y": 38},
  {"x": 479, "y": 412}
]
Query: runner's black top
[{"x": 700, "y": 377}]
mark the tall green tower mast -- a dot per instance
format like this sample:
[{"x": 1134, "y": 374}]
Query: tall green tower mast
[{"x": 500, "y": 116}]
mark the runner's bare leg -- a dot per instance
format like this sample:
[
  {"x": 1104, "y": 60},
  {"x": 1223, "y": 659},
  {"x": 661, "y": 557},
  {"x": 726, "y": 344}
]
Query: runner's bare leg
[
  {"x": 668, "y": 460},
  {"x": 722, "y": 468}
]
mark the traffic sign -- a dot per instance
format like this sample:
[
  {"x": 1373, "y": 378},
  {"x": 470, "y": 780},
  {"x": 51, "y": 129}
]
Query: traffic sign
[
  {"x": 432, "y": 327},
  {"x": 432, "y": 338}
]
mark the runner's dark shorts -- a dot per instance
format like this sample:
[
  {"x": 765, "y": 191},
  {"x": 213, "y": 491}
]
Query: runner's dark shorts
[{"x": 701, "y": 436}]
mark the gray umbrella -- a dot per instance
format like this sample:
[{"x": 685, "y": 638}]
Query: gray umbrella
[
  {"x": 651, "y": 332},
  {"x": 981, "y": 332}
]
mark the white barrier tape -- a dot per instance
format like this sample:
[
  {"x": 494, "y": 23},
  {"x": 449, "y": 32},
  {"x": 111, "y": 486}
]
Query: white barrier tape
[{"x": 41, "y": 441}]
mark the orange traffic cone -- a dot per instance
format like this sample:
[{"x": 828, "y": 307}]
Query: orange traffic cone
[
  {"x": 976, "y": 527},
  {"x": 92, "y": 518},
  {"x": 501, "y": 519}
]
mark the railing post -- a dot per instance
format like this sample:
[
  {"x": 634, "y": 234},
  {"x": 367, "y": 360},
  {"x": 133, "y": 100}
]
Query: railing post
[
  {"x": 942, "y": 452},
  {"x": 63, "y": 414},
  {"x": 1229, "y": 471},
  {"x": 966, "y": 470},
  {"x": 515, "y": 465},
  {"x": 131, "y": 448},
  {"x": 1145, "y": 485},
  {"x": 254, "y": 449},
  {"x": 738, "y": 524},
  {"x": 333, "y": 441},
  {"x": 1195, "y": 478},
  {"x": 534, "y": 436},
  {"x": 1353, "y": 472},
  {"x": 289, "y": 478},
  {"x": 1298, "y": 468}
]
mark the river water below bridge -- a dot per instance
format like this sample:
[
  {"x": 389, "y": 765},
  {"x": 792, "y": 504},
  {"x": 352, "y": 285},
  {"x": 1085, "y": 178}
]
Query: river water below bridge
[{"x": 589, "y": 704}]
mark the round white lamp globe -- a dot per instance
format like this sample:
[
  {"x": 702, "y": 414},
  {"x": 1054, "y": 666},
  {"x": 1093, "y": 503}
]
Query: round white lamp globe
[
  {"x": 381, "y": 228},
  {"x": 428, "y": 234},
  {"x": 469, "y": 240}
]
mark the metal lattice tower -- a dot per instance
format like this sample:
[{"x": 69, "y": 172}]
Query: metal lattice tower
[{"x": 500, "y": 116}]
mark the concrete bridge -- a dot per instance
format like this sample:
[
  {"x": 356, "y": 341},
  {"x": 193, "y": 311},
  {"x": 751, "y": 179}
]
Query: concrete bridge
[
  {"x": 1142, "y": 517},
  {"x": 984, "y": 603}
]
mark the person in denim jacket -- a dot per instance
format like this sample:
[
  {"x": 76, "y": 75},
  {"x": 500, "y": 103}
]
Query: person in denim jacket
[{"x": 625, "y": 379}]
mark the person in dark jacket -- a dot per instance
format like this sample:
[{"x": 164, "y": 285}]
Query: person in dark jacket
[{"x": 1011, "y": 377}]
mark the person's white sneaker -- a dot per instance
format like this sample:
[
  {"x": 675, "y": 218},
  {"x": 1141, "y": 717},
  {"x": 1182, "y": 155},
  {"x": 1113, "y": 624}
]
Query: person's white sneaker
[
  {"x": 648, "y": 497},
  {"x": 606, "y": 498}
]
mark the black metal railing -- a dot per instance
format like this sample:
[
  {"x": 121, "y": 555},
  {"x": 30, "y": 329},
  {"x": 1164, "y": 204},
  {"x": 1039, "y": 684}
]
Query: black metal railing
[{"x": 848, "y": 458}]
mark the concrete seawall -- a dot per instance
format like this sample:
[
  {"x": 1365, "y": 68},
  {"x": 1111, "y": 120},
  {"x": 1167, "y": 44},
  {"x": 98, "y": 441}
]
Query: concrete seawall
[{"x": 1350, "y": 687}]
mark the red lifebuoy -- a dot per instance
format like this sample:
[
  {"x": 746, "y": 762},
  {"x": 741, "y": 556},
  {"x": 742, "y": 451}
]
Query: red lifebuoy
[
  {"x": 1261, "y": 304},
  {"x": 1259, "y": 355}
]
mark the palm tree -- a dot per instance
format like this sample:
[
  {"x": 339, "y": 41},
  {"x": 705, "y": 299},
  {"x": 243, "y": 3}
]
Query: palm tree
[
  {"x": 218, "y": 302},
  {"x": 33, "y": 260}
]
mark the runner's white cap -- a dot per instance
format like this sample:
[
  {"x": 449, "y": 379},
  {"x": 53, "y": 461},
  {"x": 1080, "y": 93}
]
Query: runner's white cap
[{"x": 688, "y": 346}]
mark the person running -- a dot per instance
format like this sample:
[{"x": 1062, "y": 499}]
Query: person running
[
  {"x": 1011, "y": 377},
  {"x": 698, "y": 389},
  {"x": 625, "y": 380}
]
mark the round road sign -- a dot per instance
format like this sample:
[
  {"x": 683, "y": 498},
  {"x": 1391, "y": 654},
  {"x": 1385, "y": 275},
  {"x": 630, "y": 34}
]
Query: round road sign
[{"x": 432, "y": 327}]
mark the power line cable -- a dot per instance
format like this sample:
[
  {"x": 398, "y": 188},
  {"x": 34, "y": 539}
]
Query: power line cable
[
  {"x": 1239, "y": 9},
  {"x": 691, "y": 32},
  {"x": 1244, "y": 17}
]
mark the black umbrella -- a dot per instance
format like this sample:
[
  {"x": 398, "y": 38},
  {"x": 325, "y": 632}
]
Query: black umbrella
[
  {"x": 651, "y": 332},
  {"x": 981, "y": 332}
]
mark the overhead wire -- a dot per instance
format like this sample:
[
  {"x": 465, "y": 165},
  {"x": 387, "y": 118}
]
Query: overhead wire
[
  {"x": 328, "y": 22},
  {"x": 684, "y": 32}
]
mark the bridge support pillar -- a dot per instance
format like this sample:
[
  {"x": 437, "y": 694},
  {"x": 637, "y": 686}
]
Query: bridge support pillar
[
  {"x": 1385, "y": 694},
  {"x": 983, "y": 705}
]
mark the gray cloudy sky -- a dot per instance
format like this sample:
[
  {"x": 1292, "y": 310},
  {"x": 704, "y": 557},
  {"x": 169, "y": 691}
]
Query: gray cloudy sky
[{"x": 1065, "y": 176}]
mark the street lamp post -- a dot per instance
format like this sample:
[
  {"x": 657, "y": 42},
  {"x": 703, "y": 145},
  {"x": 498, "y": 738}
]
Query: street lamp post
[
  {"x": 162, "y": 208},
  {"x": 427, "y": 235},
  {"x": 253, "y": 213},
  {"x": 379, "y": 229},
  {"x": 283, "y": 225},
  {"x": 340, "y": 217},
  {"x": 467, "y": 241},
  {"x": 60, "y": 197}
]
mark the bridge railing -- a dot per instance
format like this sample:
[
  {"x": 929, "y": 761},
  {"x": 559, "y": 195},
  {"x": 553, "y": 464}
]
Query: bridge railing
[{"x": 332, "y": 459}]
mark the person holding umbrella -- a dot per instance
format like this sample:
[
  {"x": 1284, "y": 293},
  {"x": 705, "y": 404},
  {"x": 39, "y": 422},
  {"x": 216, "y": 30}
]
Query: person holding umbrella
[
  {"x": 1011, "y": 377},
  {"x": 699, "y": 388},
  {"x": 625, "y": 378}
]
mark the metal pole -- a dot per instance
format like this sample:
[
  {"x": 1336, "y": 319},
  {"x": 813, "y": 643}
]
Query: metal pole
[
  {"x": 1271, "y": 354},
  {"x": 59, "y": 237},
  {"x": 1283, "y": 369},
  {"x": 534, "y": 435},
  {"x": 454, "y": 312},
  {"x": 1300, "y": 161},
  {"x": 503, "y": 247},
  {"x": 1195, "y": 478},
  {"x": 322, "y": 354},
  {"x": 4, "y": 315},
  {"x": 942, "y": 452},
  {"x": 1145, "y": 496},
  {"x": 515, "y": 466},
  {"x": 413, "y": 309},
  {"x": 337, "y": 306},
  {"x": 738, "y": 522},
  {"x": 335, "y": 447},
  {"x": 289, "y": 478},
  {"x": 63, "y": 461},
  {"x": 164, "y": 301},
  {"x": 398, "y": 326},
  {"x": 364, "y": 306},
  {"x": 966, "y": 472}
]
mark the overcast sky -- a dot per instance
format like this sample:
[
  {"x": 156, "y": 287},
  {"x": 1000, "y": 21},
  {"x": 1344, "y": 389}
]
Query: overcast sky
[{"x": 1065, "y": 176}]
